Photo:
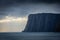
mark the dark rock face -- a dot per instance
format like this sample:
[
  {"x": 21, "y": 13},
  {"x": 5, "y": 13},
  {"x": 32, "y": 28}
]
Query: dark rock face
[{"x": 43, "y": 22}]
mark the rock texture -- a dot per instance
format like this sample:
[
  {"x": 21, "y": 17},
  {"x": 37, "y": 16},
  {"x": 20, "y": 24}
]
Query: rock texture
[{"x": 43, "y": 22}]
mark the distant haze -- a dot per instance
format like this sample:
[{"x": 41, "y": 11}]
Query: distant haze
[{"x": 13, "y": 18}]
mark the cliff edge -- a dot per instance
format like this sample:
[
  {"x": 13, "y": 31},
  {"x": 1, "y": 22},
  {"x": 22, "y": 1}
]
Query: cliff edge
[{"x": 43, "y": 22}]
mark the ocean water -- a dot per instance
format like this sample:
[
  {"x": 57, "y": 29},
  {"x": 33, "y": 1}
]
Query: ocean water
[{"x": 30, "y": 36}]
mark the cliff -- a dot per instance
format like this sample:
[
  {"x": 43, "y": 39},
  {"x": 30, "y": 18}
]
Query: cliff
[{"x": 43, "y": 22}]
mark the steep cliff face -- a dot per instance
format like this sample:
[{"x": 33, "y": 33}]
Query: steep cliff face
[{"x": 43, "y": 22}]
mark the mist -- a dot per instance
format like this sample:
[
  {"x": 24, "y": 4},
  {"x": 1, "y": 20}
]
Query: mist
[{"x": 17, "y": 10}]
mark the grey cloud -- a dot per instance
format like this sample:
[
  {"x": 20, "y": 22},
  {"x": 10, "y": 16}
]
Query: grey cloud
[
  {"x": 21, "y": 10},
  {"x": 2, "y": 14}
]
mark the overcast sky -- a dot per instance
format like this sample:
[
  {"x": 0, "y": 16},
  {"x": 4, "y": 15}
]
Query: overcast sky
[
  {"x": 10, "y": 9},
  {"x": 16, "y": 9}
]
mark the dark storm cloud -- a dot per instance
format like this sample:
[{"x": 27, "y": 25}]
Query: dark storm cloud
[
  {"x": 19, "y": 8},
  {"x": 9, "y": 2},
  {"x": 24, "y": 9}
]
